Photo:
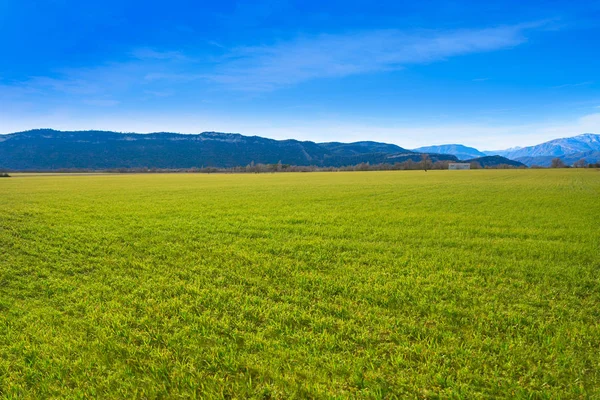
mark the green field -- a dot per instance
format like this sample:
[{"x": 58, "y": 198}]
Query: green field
[{"x": 408, "y": 284}]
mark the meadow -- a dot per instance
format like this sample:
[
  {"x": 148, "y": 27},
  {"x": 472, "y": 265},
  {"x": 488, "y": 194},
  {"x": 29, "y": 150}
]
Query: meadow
[{"x": 403, "y": 284}]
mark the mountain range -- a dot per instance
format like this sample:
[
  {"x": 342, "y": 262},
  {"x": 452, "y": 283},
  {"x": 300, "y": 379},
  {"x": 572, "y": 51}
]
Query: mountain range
[
  {"x": 458, "y": 150},
  {"x": 569, "y": 150},
  {"x": 47, "y": 149}
]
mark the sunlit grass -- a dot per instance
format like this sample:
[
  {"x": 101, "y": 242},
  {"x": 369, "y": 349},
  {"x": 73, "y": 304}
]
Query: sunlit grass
[{"x": 473, "y": 284}]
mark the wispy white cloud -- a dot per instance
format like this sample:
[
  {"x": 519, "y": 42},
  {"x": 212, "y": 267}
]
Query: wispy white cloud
[
  {"x": 108, "y": 80},
  {"x": 269, "y": 67},
  {"x": 146, "y": 53},
  {"x": 101, "y": 102},
  {"x": 72, "y": 84},
  {"x": 586, "y": 83},
  {"x": 172, "y": 76},
  {"x": 323, "y": 56},
  {"x": 159, "y": 93},
  {"x": 215, "y": 44}
]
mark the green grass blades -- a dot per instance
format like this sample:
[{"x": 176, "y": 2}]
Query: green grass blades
[{"x": 439, "y": 284}]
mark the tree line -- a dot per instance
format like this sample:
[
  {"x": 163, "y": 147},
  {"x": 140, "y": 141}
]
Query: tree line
[
  {"x": 424, "y": 164},
  {"x": 582, "y": 163},
  {"x": 409, "y": 165}
]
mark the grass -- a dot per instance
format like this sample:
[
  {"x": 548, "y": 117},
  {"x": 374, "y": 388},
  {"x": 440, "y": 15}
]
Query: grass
[{"x": 445, "y": 284}]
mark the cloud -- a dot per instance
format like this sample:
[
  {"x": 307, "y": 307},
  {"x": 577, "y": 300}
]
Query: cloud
[
  {"x": 269, "y": 67},
  {"x": 590, "y": 123},
  {"x": 101, "y": 102},
  {"x": 586, "y": 83},
  {"x": 74, "y": 84},
  {"x": 172, "y": 76},
  {"x": 323, "y": 56},
  {"x": 151, "y": 54},
  {"x": 111, "y": 79},
  {"x": 159, "y": 93}
]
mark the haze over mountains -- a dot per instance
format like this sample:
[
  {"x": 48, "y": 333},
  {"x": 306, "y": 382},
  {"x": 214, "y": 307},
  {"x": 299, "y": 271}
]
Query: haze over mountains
[
  {"x": 586, "y": 146},
  {"x": 570, "y": 150},
  {"x": 47, "y": 149},
  {"x": 460, "y": 151}
]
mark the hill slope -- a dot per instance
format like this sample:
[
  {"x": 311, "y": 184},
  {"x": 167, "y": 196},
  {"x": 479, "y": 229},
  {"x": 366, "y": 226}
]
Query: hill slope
[
  {"x": 458, "y": 150},
  {"x": 494, "y": 161},
  {"x": 47, "y": 149},
  {"x": 588, "y": 142}
]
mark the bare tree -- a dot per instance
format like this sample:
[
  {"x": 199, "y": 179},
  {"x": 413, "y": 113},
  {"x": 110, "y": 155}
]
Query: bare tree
[
  {"x": 580, "y": 164},
  {"x": 425, "y": 162},
  {"x": 557, "y": 163}
]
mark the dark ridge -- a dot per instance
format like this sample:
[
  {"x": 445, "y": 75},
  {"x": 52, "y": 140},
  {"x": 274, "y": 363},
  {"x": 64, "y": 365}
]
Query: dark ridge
[
  {"x": 48, "y": 149},
  {"x": 495, "y": 161}
]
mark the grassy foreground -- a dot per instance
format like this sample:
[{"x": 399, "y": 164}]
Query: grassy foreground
[{"x": 445, "y": 284}]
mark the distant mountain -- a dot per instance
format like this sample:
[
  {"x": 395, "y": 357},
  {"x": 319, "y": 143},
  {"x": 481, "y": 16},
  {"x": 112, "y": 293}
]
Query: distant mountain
[
  {"x": 356, "y": 148},
  {"x": 587, "y": 142},
  {"x": 470, "y": 154},
  {"x": 47, "y": 149},
  {"x": 500, "y": 152},
  {"x": 458, "y": 150},
  {"x": 494, "y": 161}
]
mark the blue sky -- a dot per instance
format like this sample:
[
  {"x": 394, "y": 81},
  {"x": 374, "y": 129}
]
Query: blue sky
[{"x": 487, "y": 74}]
